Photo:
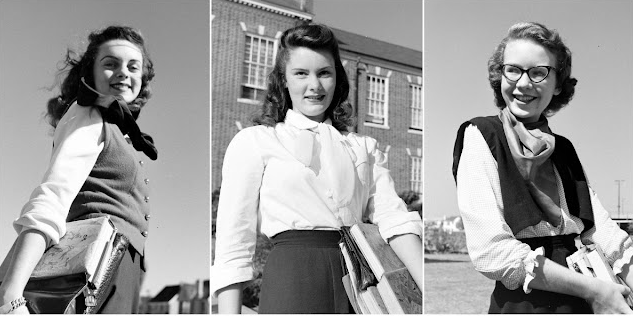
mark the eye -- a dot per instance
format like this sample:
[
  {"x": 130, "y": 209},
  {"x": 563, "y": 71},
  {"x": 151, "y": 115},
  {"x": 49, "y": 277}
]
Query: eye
[
  {"x": 301, "y": 73},
  {"x": 134, "y": 67},
  {"x": 325, "y": 73}
]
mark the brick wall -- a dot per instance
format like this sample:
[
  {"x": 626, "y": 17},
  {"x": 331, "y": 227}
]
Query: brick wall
[{"x": 227, "y": 47}]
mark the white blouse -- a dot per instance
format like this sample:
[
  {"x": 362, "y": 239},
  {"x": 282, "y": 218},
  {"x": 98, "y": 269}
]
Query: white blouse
[
  {"x": 266, "y": 189},
  {"x": 494, "y": 250},
  {"x": 78, "y": 141}
]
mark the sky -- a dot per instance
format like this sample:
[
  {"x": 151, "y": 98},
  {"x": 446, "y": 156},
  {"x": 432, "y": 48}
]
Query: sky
[
  {"x": 460, "y": 36},
  {"x": 394, "y": 21},
  {"x": 34, "y": 36}
]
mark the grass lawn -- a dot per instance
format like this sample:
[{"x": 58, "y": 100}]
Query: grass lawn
[{"x": 452, "y": 286}]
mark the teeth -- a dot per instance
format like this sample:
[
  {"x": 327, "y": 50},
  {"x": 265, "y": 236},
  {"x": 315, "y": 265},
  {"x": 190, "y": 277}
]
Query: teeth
[{"x": 524, "y": 98}]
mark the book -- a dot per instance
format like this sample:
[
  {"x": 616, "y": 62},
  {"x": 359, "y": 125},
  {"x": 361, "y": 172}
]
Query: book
[
  {"x": 80, "y": 250},
  {"x": 590, "y": 260},
  {"x": 399, "y": 292},
  {"x": 368, "y": 301}
]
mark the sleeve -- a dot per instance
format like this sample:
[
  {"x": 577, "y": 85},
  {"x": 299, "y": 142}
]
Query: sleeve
[
  {"x": 237, "y": 218},
  {"x": 77, "y": 143},
  {"x": 384, "y": 207},
  {"x": 614, "y": 242},
  {"x": 492, "y": 247}
]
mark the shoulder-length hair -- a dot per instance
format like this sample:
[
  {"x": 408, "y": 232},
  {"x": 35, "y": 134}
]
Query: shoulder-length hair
[
  {"x": 551, "y": 40},
  {"x": 78, "y": 66},
  {"x": 277, "y": 101}
]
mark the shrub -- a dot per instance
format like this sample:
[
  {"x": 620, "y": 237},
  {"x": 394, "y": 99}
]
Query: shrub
[{"x": 437, "y": 240}]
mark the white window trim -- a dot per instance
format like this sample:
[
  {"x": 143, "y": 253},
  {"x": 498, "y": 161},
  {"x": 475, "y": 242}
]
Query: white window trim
[
  {"x": 413, "y": 181},
  {"x": 415, "y": 131},
  {"x": 385, "y": 125},
  {"x": 412, "y": 88},
  {"x": 275, "y": 42}
]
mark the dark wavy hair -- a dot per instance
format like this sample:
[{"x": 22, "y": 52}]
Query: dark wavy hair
[
  {"x": 551, "y": 40},
  {"x": 277, "y": 102},
  {"x": 78, "y": 66}
]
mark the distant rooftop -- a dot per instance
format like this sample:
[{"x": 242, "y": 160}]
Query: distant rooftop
[{"x": 368, "y": 46}]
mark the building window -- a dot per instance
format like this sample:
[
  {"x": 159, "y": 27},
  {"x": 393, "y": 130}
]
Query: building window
[
  {"x": 416, "y": 107},
  {"x": 259, "y": 56},
  {"x": 378, "y": 100},
  {"x": 416, "y": 174}
]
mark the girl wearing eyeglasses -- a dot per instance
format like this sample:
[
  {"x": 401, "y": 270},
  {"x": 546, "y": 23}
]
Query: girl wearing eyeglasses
[{"x": 522, "y": 192}]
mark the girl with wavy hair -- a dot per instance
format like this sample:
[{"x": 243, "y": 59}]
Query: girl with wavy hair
[
  {"x": 298, "y": 176},
  {"x": 96, "y": 167},
  {"x": 522, "y": 191}
]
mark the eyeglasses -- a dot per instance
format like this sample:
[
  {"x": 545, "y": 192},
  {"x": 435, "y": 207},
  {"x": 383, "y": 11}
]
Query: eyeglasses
[{"x": 536, "y": 74}]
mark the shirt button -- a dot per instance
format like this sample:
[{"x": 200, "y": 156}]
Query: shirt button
[
  {"x": 144, "y": 233},
  {"x": 147, "y": 217},
  {"x": 141, "y": 162},
  {"x": 146, "y": 199},
  {"x": 329, "y": 193},
  {"x": 146, "y": 181}
]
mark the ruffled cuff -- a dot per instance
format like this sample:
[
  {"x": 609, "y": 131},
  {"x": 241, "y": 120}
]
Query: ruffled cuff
[
  {"x": 624, "y": 258},
  {"x": 223, "y": 276},
  {"x": 530, "y": 263}
]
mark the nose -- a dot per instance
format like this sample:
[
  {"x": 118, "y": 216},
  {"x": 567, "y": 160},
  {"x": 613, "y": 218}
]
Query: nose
[
  {"x": 524, "y": 81},
  {"x": 313, "y": 83},
  {"x": 122, "y": 72}
]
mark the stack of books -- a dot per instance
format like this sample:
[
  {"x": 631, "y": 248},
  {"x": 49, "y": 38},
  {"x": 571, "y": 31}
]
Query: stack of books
[{"x": 393, "y": 291}]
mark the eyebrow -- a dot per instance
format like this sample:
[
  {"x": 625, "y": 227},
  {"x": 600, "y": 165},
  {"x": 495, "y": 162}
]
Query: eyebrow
[
  {"x": 327, "y": 67},
  {"x": 117, "y": 58}
]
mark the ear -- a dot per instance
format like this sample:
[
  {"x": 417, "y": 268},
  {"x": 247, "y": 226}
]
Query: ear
[{"x": 557, "y": 90}]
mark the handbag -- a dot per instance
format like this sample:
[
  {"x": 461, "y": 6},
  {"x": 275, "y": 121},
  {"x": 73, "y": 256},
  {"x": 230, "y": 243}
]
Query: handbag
[{"x": 75, "y": 276}]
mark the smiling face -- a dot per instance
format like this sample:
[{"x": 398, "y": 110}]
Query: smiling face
[
  {"x": 527, "y": 100},
  {"x": 311, "y": 81},
  {"x": 118, "y": 69}
]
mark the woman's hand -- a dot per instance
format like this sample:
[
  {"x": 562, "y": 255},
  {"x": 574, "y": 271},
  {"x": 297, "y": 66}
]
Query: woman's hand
[
  {"x": 21, "y": 310},
  {"x": 608, "y": 298}
]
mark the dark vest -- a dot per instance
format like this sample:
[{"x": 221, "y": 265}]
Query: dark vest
[
  {"x": 117, "y": 186},
  {"x": 520, "y": 209}
]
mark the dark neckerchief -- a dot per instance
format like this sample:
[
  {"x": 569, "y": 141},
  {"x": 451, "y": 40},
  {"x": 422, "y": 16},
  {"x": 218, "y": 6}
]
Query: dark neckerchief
[{"x": 117, "y": 112}]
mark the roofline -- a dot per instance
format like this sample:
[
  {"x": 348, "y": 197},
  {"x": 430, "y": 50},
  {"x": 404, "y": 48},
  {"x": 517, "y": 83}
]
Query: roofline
[
  {"x": 276, "y": 9},
  {"x": 377, "y": 61}
]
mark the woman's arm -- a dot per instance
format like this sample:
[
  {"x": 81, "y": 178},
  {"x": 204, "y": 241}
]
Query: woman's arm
[
  {"x": 78, "y": 142},
  {"x": 230, "y": 299},
  {"x": 409, "y": 249},
  {"x": 604, "y": 297},
  {"x": 29, "y": 247}
]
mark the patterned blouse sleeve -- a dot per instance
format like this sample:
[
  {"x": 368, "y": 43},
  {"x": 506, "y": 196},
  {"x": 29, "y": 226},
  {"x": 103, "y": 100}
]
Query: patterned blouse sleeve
[
  {"x": 493, "y": 248},
  {"x": 614, "y": 242}
]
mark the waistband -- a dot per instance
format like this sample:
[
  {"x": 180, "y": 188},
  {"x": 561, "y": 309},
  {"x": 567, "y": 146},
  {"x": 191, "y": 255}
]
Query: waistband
[
  {"x": 308, "y": 238},
  {"x": 560, "y": 241}
]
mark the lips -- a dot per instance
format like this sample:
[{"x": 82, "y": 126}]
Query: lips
[
  {"x": 315, "y": 98},
  {"x": 524, "y": 98},
  {"x": 121, "y": 86}
]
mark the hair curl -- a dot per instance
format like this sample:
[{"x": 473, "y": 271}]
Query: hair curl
[
  {"x": 77, "y": 66},
  {"x": 551, "y": 40},
  {"x": 277, "y": 102}
]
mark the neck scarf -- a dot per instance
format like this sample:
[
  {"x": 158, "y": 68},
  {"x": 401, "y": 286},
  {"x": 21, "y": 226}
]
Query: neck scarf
[
  {"x": 531, "y": 145},
  {"x": 335, "y": 159},
  {"x": 115, "y": 110}
]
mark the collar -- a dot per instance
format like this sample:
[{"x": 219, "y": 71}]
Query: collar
[{"x": 300, "y": 121}]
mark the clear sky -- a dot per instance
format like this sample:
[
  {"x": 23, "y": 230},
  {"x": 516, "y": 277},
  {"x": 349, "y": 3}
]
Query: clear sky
[
  {"x": 459, "y": 38},
  {"x": 394, "y": 21},
  {"x": 34, "y": 36}
]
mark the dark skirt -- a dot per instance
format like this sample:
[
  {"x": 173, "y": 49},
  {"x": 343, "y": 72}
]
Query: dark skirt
[
  {"x": 126, "y": 289},
  {"x": 303, "y": 275},
  {"x": 504, "y": 301}
]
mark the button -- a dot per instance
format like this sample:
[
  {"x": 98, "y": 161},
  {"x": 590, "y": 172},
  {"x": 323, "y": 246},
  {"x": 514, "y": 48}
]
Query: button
[
  {"x": 144, "y": 233},
  {"x": 146, "y": 181},
  {"x": 141, "y": 162},
  {"x": 146, "y": 199},
  {"x": 329, "y": 193},
  {"x": 147, "y": 217}
]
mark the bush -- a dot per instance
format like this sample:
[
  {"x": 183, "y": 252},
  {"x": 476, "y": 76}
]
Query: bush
[{"x": 437, "y": 240}]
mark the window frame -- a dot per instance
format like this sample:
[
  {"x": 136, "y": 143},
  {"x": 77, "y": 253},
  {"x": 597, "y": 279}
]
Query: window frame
[
  {"x": 249, "y": 66},
  {"x": 371, "y": 78}
]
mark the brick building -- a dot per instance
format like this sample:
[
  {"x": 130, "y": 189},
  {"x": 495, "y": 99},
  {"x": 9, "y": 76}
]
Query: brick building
[{"x": 385, "y": 81}]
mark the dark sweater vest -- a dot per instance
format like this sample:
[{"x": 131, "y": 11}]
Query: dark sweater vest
[
  {"x": 520, "y": 209},
  {"x": 116, "y": 186}
]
